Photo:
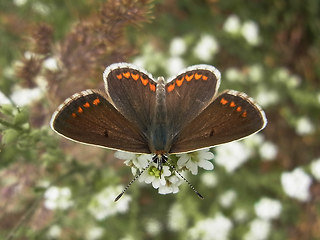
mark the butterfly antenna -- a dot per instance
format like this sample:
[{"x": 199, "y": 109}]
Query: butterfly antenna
[
  {"x": 132, "y": 181},
  {"x": 190, "y": 185}
]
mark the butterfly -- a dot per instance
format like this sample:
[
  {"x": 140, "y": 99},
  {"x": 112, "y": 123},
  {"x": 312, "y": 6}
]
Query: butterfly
[{"x": 139, "y": 114}]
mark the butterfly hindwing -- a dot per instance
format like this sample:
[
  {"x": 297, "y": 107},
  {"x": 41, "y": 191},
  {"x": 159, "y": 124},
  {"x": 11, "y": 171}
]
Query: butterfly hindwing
[
  {"x": 189, "y": 93},
  {"x": 133, "y": 93},
  {"x": 231, "y": 116},
  {"x": 88, "y": 117}
]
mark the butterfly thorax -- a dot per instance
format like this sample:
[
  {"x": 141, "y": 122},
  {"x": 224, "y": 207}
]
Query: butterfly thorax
[{"x": 158, "y": 141}]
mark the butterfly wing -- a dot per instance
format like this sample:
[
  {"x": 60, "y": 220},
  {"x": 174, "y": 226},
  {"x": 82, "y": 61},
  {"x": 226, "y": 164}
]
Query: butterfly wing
[
  {"x": 188, "y": 94},
  {"x": 133, "y": 93},
  {"x": 88, "y": 117},
  {"x": 231, "y": 116}
]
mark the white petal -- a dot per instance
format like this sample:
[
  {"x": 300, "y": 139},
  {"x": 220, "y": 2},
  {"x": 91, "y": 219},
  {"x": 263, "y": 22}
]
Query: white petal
[
  {"x": 183, "y": 159},
  {"x": 193, "y": 167},
  {"x": 207, "y": 165}
]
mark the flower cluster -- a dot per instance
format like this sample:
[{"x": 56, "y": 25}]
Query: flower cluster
[{"x": 167, "y": 179}]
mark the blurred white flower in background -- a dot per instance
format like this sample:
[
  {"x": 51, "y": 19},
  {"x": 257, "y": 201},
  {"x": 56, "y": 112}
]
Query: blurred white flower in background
[
  {"x": 153, "y": 226},
  {"x": 304, "y": 126},
  {"x": 255, "y": 73},
  {"x": 259, "y": 230},
  {"x": 268, "y": 151},
  {"x": 51, "y": 64},
  {"x": 206, "y": 48},
  {"x": 177, "y": 220},
  {"x": 240, "y": 215},
  {"x": 209, "y": 179},
  {"x": 268, "y": 209},
  {"x": 227, "y": 198},
  {"x": 266, "y": 97},
  {"x": 177, "y": 47},
  {"x": 19, "y": 2},
  {"x": 58, "y": 198},
  {"x": 232, "y": 25},
  {"x": 25, "y": 96},
  {"x": 234, "y": 75},
  {"x": 94, "y": 233},
  {"x": 296, "y": 184},
  {"x": 175, "y": 65},
  {"x": 54, "y": 232},
  {"x": 217, "y": 228},
  {"x": 232, "y": 155},
  {"x": 102, "y": 205},
  {"x": 250, "y": 31},
  {"x": 3, "y": 99},
  {"x": 194, "y": 160},
  {"x": 315, "y": 168}
]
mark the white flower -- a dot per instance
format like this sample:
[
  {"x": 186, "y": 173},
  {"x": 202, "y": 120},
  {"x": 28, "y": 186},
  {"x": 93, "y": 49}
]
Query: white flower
[
  {"x": 171, "y": 186},
  {"x": 94, "y": 233},
  {"x": 234, "y": 75},
  {"x": 54, "y": 232},
  {"x": 102, "y": 205},
  {"x": 209, "y": 179},
  {"x": 153, "y": 227},
  {"x": 177, "y": 47},
  {"x": 268, "y": 151},
  {"x": 3, "y": 99},
  {"x": 177, "y": 220},
  {"x": 227, "y": 198},
  {"x": 41, "y": 8},
  {"x": 304, "y": 126},
  {"x": 315, "y": 168},
  {"x": 232, "y": 25},
  {"x": 57, "y": 198},
  {"x": 50, "y": 64},
  {"x": 175, "y": 65},
  {"x": 259, "y": 230},
  {"x": 192, "y": 160},
  {"x": 254, "y": 141},
  {"x": 256, "y": 73},
  {"x": 216, "y": 228},
  {"x": 266, "y": 97},
  {"x": 19, "y": 2},
  {"x": 154, "y": 176},
  {"x": 268, "y": 209},
  {"x": 250, "y": 31},
  {"x": 25, "y": 96},
  {"x": 232, "y": 155},
  {"x": 240, "y": 215},
  {"x": 296, "y": 184},
  {"x": 206, "y": 48},
  {"x": 135, "y": 161}
]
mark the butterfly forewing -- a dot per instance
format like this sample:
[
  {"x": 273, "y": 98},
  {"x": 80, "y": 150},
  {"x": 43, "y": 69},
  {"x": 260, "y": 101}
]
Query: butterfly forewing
[
  {"x": 89, "y": 118},
  {"x": 133, "y": 93},
  {"x": 231, "y": 116},
  {"x": 188, "y": 94}
]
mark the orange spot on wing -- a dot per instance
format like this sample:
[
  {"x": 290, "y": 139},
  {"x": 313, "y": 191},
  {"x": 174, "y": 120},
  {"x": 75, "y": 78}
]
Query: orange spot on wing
[
  {"x": 170, "y": 87},
  {"x": 189, "y": 77},
  {"x": 74, "y": 115},
  {"x": 197, "y": 76},
  {"x": 232, "y": 104},
  {"x": 144, "y": 80},
  {"x": 244, "y": 114},
  {"x": 119, "y": 76},
  {"x": 179, "y": 81},
  {"x": 126, "y": 74},
  {"x": 152, "y": 87},
  {"x": 204, "y": 78},
  {"x": 80, "y": 110},
  {"x": 223, "y": 101},
  {"x": 239, "y": 109},
  {"x": 86, "y": 105},
  {"x": 135, "y": 76},
  {"x": 96, "y": 101}
]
